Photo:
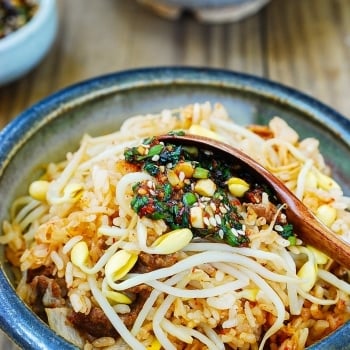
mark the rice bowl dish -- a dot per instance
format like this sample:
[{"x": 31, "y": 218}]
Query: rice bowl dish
[
  {"x": 196, "y": 117},
  {"x": 114, "y": 243}
]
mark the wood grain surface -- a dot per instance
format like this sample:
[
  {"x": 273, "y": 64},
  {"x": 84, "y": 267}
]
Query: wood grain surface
[{"x": 301, "y": 43}]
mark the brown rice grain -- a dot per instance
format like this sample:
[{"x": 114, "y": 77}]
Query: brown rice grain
[
  {"x": 103, "y": 342},
  {"x": 57, "y": 260},
  {"x": 69, "y": 274},
  {"x": 320, "y": 327},
  {"x": 71, "y": 243},
  {"x": 248, "y": 337},
  {"x": 249, "y": 314}
]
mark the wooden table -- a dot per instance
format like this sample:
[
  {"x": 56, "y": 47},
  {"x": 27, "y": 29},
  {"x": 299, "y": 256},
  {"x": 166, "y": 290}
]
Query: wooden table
[{"x": 301, "y": 43}]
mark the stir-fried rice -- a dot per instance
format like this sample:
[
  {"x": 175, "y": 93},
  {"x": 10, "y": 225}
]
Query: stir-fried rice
[{"x": 106, "y": 277}]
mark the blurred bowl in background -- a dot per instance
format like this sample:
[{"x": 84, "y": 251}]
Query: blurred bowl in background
[
  {"x": 23, "y": 49},
  {"x": 209, "y": 11}
]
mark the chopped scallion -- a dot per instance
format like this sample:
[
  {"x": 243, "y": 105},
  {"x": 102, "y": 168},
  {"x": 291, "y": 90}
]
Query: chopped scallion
[
  {"x": 200, "y": 173},
  {"x": 189, "y": 198}
]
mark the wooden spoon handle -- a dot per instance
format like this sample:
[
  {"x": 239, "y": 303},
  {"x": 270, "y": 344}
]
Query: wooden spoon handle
[{"x": 314, "y": 232}]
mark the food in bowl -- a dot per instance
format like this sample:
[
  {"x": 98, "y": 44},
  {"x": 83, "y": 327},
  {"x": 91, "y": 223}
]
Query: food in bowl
[
  {"x": 14, "y": 14},
  {"x": 131, "y": 241}
]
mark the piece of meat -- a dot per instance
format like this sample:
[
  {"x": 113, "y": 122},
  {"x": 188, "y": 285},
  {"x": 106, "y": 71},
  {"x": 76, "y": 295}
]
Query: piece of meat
[
  {"x": 42, "y": 270},
  {"x": 268, "y": 211},
  {"x": 95, "y": 323},
  {"x": 47, "y": 293},
  {"x": 150, "y": 262},
  {"x": 142, "y": 293},
  {"x": 140, "y": 289}
]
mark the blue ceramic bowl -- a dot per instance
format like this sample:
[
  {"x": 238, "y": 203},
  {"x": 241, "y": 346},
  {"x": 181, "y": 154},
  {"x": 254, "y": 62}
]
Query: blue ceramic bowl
[
  {"x": 23, "y": 49},
  {"x": 55, "y": 125}
]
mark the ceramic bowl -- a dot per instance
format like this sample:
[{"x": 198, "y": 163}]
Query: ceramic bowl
[
  {"x": 55, "y": 125},
  {"x": 208, "y": 11},
  {"x": 23, "y": 49},
  {"x": 203, "y": 3}
]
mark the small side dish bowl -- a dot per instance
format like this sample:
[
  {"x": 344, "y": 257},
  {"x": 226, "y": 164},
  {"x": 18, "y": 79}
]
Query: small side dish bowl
[
  {"x": 23, "y": 49},
  {"x": 54, "y": 126}
]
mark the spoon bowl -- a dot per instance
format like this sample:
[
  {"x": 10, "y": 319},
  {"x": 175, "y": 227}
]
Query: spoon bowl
[{"x": 308, "y": 228}]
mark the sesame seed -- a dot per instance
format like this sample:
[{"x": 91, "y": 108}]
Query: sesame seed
[
  {"x": 150, "y": 184},
  {"x": 218, "y": 219},
  {"x": 213, "y": 206},
  {"x": 152, "y": 193},
  {"x": 278, "y": 228},
  {"x": 206, "y": 221},
  {"x": 212, "y": 221},
  {"x": 234, "y": 231},
  {"x": 221, "y": 234},
  {"x": 181, "y": 176},
  {"x": 222, "y": 209},
  {"x": 169, "y": 165},
  {"x": 155, "y": 158}
]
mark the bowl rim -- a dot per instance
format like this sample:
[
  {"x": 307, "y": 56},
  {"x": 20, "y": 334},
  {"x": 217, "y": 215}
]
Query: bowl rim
[
  {"x": 32, "y": 118},
  {"x": 207, "y": 4},
  {"x": 45, "y": 7},
  {"x": 30, "y": 330}
]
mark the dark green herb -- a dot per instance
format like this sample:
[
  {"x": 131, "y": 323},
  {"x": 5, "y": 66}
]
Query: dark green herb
[
  {"x": 287, "y": 231},
  {"x": 154, "y": 151},
  {"x": 151, "y": 168},
  {"x": 170, "y": 155},
  {"x": 176, "y": 133},
  {"x": 138, "y": 202},
  {"x": 190, "y": 152},
  {"x": 167, "y": 191}
]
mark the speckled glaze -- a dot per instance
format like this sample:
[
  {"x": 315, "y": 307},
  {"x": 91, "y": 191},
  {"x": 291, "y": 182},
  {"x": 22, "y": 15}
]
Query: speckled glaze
[{"x": 55, "y": 125}]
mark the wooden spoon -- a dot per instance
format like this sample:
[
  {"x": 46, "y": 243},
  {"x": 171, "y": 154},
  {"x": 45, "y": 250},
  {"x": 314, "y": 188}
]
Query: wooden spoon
[{"x": 308, "y": 227}]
